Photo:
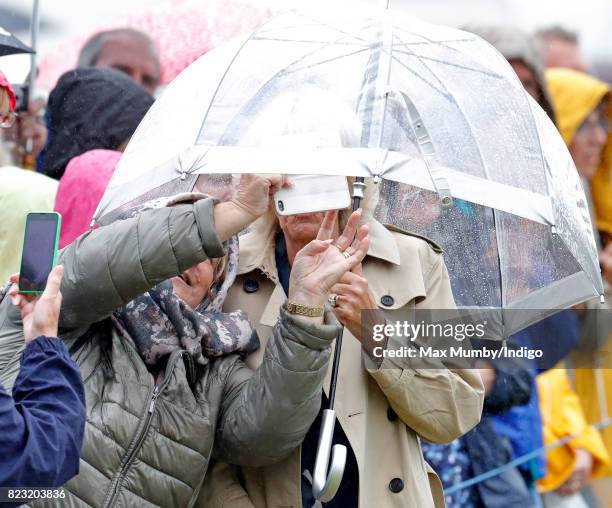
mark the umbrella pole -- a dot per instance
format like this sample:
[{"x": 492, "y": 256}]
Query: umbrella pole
[
  {"x": 27, "y": 160},
  {"x": 358, "y": 193},
  {"x": 325, "y": 483}
]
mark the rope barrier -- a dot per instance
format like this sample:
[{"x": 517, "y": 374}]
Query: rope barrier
[{"x": 521, "y": 460}]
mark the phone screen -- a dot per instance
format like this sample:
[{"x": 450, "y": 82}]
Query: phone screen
[{"x": 39, "y": 249}]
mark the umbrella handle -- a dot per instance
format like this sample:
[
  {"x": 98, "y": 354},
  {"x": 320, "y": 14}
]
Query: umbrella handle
[{"x": 325, "y": 483}]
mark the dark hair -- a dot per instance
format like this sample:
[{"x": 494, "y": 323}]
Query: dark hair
[
  {"x": 557, "y": 32},
  {"x": 101, "y": 333}
]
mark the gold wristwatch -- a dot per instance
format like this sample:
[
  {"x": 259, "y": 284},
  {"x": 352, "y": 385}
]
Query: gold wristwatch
[{"x": 304, "y": 310}]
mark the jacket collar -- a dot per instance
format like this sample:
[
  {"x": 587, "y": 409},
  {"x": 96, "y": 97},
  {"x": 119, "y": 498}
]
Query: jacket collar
[{"x": 382, "y": 244}]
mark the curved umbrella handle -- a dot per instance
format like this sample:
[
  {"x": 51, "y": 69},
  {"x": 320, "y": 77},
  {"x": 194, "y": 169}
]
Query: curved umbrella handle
[{"x": 325, "y": 482}]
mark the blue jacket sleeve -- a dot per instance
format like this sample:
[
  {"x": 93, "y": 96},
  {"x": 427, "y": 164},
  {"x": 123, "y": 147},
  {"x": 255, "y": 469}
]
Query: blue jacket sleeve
[
  {"x": 43, "y": 423},
  {"x": 513, "y": 381}
]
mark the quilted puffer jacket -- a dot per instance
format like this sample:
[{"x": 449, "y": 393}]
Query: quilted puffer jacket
[{"x": 149, "y": 443}]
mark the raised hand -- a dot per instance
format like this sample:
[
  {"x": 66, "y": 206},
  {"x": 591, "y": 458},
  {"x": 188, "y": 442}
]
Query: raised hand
[
  {"x": 322, "y": 263},
  {"x": 250, "y": 202},
  {"x": 254, "y": 191}
]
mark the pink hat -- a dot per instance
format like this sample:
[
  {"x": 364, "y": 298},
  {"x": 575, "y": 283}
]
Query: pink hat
[{"x": 81, "y": 189}]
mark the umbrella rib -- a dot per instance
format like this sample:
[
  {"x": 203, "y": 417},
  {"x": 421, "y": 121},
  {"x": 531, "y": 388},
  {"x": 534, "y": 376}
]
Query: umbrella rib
[
  {"x": 487, "y": 174},
  {"x": 440, "y": 91},
  {"x": 326, "y": 25},
  {"x": 318, "y": 24},
  {"x": 442, "y": 43},
  {"x": 305, "y": 41},
  {"x": 310, "y": 66},
  {"x": 218, "y": 87},
  {"x": 303, "y": 57},
  {"x": 305, "y": 25},
  {"x": 431, "y": 41},
  {"x": 426, "y": 40},
  {"x": 465, "y": 67},
  {"x": 331, "y": 27},
  {"x": 409, "y": 52}
]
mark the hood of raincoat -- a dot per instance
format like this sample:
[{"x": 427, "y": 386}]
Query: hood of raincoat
[
  {"x": 514, "y": 44},
  {"x": 91, "y": 108},
  {"x": 575, "y": 95},
  {"x": 81, "y": 189}
]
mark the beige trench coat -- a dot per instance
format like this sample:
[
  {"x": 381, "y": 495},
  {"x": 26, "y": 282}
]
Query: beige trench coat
[{"x": 438, "y": 405}]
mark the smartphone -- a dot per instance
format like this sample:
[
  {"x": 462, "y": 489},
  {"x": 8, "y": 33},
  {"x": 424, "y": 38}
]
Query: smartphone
[
  {"x": 40, "y": 241},
  {"x": 313, "y": 193}
]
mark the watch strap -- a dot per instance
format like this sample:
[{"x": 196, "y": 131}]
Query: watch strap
[{"x": 305, "y": 310}]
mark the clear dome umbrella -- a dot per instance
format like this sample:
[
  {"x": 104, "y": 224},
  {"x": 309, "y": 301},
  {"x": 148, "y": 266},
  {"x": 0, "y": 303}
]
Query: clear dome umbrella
[
  {"x": 461, "y": 153},
  {"x": 444, "y": 121}
]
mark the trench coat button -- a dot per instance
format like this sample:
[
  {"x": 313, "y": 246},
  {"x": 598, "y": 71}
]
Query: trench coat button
[
  {"x": 391, "y": 415},
  {"x": 250, "y": 285},
  {"x": 396, "y": 485},
  {"x": 387, "y": 300}
]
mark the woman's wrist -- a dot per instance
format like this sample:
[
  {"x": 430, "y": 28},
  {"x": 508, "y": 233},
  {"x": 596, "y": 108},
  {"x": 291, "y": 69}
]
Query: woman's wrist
[
  {"x": 305, "y": 297},
  {"x": 231, "y": 218}
]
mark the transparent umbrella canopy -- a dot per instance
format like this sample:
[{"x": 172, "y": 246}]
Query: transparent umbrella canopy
[{"x": 459, "y": 150}]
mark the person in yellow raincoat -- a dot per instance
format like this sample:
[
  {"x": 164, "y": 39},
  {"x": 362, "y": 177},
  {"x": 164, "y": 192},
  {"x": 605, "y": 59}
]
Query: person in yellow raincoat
[
  {"x": 582, "y": 110},
  {"x": 570, "y": 466}
]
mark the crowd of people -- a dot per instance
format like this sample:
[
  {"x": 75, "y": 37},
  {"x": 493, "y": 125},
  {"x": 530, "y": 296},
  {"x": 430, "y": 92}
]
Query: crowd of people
[{"x": 176, "y": 360}]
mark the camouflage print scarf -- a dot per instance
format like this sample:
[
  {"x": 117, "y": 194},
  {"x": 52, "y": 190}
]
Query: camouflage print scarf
[{"x": 160, "y": 322}]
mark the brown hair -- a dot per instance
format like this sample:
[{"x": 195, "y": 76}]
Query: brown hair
[{"x": 218, "y": 276}]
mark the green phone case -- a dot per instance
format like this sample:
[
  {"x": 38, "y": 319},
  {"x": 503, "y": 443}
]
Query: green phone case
[{"x": 55, "y": 246}]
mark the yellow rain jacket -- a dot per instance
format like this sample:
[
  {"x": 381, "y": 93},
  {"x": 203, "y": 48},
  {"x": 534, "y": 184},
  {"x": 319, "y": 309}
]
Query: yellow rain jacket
[
  {"x": 562, "y": 416},
  {"x": 21, "y": 191},
  {"x": 575, "y": 95}
]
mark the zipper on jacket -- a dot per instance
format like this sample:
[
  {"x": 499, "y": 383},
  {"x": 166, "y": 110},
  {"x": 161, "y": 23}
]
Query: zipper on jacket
[
  {"x": 153, "y": 399},
  {"x": 141, "y": 433}
]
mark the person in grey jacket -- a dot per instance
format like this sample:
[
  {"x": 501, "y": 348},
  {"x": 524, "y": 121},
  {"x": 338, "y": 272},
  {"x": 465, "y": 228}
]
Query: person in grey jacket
[{"x": 149, "y": 440}]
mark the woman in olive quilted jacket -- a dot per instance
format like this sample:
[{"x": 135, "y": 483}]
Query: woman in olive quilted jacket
[{"x": 149, "y": 439}]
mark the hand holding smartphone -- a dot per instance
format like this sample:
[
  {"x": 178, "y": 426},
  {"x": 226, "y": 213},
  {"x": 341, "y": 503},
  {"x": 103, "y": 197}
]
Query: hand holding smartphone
[
  {"x": 313, "y": 193},
  {"x": 40, "y": 242},
  {"x": 40, "y": 315}
]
